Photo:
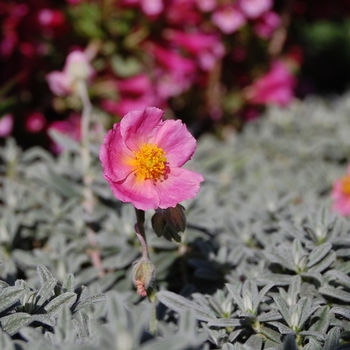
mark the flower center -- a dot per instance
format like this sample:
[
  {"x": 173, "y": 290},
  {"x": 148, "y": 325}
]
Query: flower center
[
  {"x": 150, "y": 162},
  {"x": 345, "y": 185}
]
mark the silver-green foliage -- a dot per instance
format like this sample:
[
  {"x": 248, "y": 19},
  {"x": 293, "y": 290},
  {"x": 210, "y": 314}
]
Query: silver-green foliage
[{"x": 263, "y": 264}]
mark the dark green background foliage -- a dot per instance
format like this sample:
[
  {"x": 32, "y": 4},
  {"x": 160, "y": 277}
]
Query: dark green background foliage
[{"x": 263, "y": 263}]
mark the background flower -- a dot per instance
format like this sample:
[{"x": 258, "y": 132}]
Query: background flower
[{"x": 341, "y": 194}]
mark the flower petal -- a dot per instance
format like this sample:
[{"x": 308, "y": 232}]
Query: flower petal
[
  {"x": 138, "y": 126},
  {"x": 114, "y": 155},
  {"x": 180, "y": 185},
  {"x": 178, "y": 143},
  {"x": 141, "y": 194}
]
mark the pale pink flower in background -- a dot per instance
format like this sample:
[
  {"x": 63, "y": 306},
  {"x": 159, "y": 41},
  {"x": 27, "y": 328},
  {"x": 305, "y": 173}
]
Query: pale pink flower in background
[
  {"x": 275, "y": 87},
  {"x": 206, "y": 5},
  {"x": 70, "y": 127},
  {"x": 77, "y": 68},
  {"x": 254, "y": 8},
  {"x": 35, "y": 122},
  {"x": 6, "y": 125},
  {"x": 142, "y": 159},
  {"x": 267, "y": 24},
  {"x": 341, "y": 194},
  {"x": 228, "y": 19},
  {"x": 152, "y": 7},
  {"x": 50, "y": 18},
  {"x": 148, "y": 7}
]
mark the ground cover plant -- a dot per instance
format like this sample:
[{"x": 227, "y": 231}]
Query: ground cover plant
[{"x": 262, "y": 263}]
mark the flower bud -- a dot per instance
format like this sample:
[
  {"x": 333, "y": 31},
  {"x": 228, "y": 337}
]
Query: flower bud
[
  {"x": 142, "y": 276},
  {"x": 169, "y": 222}
]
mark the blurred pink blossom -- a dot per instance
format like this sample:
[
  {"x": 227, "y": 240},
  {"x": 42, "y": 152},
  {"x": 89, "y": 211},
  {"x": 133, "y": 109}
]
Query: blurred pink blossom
[
  {"x": 182, "y": 13},
  {"x": 6, "y": 125},
  {"x": 254, "y": 8},
  {"x": 70, "y": 127},
  {"x": 50, "y": 18},
  {"x": 275, "y": 87},
  {"x": 148, "y": 7},
  {"x": 207, "y": 48},
  {"x": 128, "y": 103},
  {"x": 35, "y": 122},
  {"x": 206, "y": 5},
  {"x": 341, "y": 194},
  {"x": 136, "y": 85},
  {"x": 228, "y": 19},
  {"x": 267, "y": 24},
  {"x": 76, "y": 68}
]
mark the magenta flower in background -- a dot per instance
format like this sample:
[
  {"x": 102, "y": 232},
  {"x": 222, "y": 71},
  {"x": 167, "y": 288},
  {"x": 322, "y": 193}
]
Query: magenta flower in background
[
  {"x": 77, "y": 67},
  {"x": 254, "y": 8},
  {"x": 207, "y": 48},
  {"x": 228, "y": 19},
  {"x": 142, "y": 158},
  {"x": 137, "y": 85},
  {"x": 267, "y": 24},
  {"x": 6, "y": 125},
  {"x": 275, "y": 87},
  {"x": 35, "y": 122},
  {"x": 341, "y": 194}
]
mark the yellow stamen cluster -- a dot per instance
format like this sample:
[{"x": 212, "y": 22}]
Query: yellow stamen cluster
[
  {"x": 345, "y": 185},
  {"x": 150, "y": 162}
]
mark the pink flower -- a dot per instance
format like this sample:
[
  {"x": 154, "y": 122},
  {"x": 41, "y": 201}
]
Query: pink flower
[
  {"x": 254, "y": 8},
  {"x": 35, "y": 122},
  {"x": 136, "y": 85},
  {"x": 77, "y": 68},
  {"x": 267, "y": 24},
  {"x": 152, "y": 7},
  {"x": 50, "y": 18},
  {"x": 149, "y": 7},
  {"x": 207, "y": 48},
  {"x": 228, "y": 19},
  {"x": 275, "y": 87},
  {"x": 142, "y": 157},
  {"x": 70, "y": 127},
  {"x": 6, "y": 125},
  {"x": 206, "y": 5},
  {"x": 341, "y": 194}
]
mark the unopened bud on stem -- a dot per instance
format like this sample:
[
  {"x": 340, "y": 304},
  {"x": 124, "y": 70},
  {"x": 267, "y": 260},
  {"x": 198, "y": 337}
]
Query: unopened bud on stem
[{"x": 142, "y": 276}]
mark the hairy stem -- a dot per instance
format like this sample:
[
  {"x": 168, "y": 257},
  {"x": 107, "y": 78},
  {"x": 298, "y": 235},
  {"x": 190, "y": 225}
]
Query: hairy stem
[{"x": 88, "y": 200}]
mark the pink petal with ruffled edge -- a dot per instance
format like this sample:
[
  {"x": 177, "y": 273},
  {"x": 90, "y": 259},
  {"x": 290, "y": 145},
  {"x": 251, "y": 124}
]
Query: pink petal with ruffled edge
[
  {"x": 114, "y": 155},
  {"x": 180, "y": 185},
  {"x": 137, "y": 127},
  {"x": 174, "y": 138},
  {"x": 142, "y": 195}
]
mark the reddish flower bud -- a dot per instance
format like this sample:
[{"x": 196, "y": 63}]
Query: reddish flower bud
[{"x": 142, "y": 276}]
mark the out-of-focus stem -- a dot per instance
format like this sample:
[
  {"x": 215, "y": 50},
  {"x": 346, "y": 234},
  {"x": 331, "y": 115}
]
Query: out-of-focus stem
[
  {"x": 88, "y": 200},
  {"x": 279, "y": 37}
]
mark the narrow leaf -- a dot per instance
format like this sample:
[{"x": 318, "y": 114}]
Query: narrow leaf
[
  {"x": 13, "y": 323},
  {"x": 67, "y": 298},
  {"x": 10, "y": 296},
  {"x": 44, "y": 274},
  {"x": 179, "y": 303}
]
